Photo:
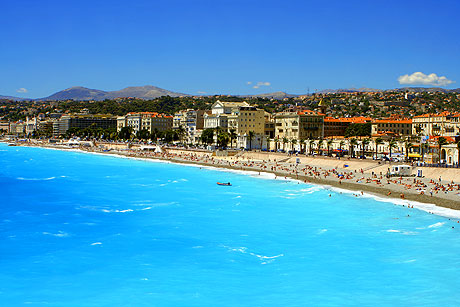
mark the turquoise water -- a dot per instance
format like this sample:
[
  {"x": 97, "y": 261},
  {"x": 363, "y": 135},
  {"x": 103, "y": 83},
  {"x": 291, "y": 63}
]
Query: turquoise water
[{"x": 88, "y": 230}]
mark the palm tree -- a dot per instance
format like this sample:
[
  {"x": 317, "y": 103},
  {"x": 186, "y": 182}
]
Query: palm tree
[
  {"x": 329, "y": 144},
  {"x": 320, "y": 144},
  {"x": 364, "y": 143},
  {"x": 232, "y": 136},
  {"x": 378, "y": 141},
  {"x": 391, "y": 145},
  {"x": 222, "y": 139},
  {"x": 441, "y": 142},
  {"x": 181, "y": 132},
  {"x": 277, "y": 141},
  {"x": 423, "y": 148},
  {"x": 311, "y": 141},
  {"x": 407, "y": 145},
  {"x": 250, "y": 137},
  {"x": 458, "y": 153},
  {"x": 353, "y": 143},
  {"x": 341, "y": 144},
  {"x": 285, "y": 140},
  {"x": 302, "y": 145},
  {"x": 293, "y": 143}
]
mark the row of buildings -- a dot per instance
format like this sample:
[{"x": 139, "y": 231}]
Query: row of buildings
[{"x": 243, "y": 120}]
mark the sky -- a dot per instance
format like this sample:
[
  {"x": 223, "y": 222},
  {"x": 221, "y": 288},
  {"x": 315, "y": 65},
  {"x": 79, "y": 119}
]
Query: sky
[{"x": 227, "y": 46}]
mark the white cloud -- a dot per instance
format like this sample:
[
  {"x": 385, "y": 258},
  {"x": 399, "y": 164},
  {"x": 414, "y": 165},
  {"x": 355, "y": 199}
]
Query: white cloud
[
  {"x": 259, "y": 84},
  {"x": 22, "y": 90},
  {"x": 419, "y": 78},
  {"x": 249, "y": 83},
  {"x": 200, "y": 92}
]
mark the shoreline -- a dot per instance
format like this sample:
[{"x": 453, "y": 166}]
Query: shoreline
[{"x": 423, "y": 202}]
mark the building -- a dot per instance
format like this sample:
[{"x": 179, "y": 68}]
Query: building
[
  {"x": 334, "y": 127},
  {"x": 66, "y": 122},
  {"x": 442, "y": 124},
  {"x": 191, "y": 121},
  {"x": 397, "y": 127},
  {"x": 220, "y": 110},
  {"x": 300, "y": 125},
  {"x": 150, "y": 121}
]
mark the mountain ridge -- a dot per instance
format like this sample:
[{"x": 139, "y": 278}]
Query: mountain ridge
[{"x": 81, "y": 93}]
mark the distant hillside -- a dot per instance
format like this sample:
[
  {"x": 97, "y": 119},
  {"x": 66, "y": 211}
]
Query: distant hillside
[
  {"x": 275, "y": 95},
  {"x": 145, "y": 92},
  {"x": 152, "y": 92},
  {"x": 77, "y": 93},
  {"x": 424, "y": 89},
  {"x": 83, "y": 93},
  {"x": 349, "y": 90},
  {"x": 13, "y": 98}
]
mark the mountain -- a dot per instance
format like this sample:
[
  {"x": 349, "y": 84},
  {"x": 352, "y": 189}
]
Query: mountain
[
  {"x": 348, "y": 90},
  {"x": 275, "y": 95},
  {"x": 83, "y": 93},
  {"x": 77, "y": 93},
  {"x": 422, "y": 89},
  {"x": 13, "y": 98},
  {"x": 145, "y": 92}
]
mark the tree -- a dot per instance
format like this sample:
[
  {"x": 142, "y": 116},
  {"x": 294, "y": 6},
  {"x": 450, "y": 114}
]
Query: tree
[
  {"x": 143, "y": 134},
  {"x": 378, "y": 141},
  {"x": 391, "y": 145},
  {"x": 293, "y": 143},
  {"x": 329, "y": 144},
  {"x": 125, "y": 133},
  {"x": 285, "y": 140},
  {"x": 458, "y": 153},
  {"x": 223, "y": 139},
  {"x": 311, "y": 141},
  {"x": 180, "y": 132},
  {"x": 441, "y": 142},
  {"x": 302, "y": 145},
  {"x": 407, "y": 146},
  {"x": 207, "y": 136},
  {"x": 232, "y": 136},
  {"x": 364, "y": 143},
  {"x": 353, "y": 143},
  {"x": 320, "y": 144},
  {"x": 277, "y": 141},
  {"x": 251, "y": 135},
  {"x": 342, "y": 142}
]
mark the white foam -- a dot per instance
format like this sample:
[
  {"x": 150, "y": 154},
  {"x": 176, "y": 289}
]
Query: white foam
[
  {"x": 321, "y": 231},
  {"x": 430, "y": 208},
  {"x": 60, "y": 234},
  {"x": 36, "y": 179},
  {"x": 96, "y": 243},
  {"x": 244, "y": 250},
  {"x": 436, "y": 225},
  {"x": 116, "y": 210}
]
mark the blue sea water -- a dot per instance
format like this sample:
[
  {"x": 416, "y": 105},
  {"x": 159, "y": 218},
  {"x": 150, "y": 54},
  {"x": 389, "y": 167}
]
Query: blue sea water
[{"x": 79, "y": 229}]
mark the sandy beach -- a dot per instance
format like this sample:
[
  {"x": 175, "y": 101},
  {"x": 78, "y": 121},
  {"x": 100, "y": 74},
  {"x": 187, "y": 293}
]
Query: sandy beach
[{"x": 439, "y": 186}]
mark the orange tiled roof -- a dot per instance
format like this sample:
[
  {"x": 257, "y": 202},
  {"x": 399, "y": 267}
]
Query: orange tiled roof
[
  {"x": 354, "y": 120},
  {"x": 393, "y": 121}
]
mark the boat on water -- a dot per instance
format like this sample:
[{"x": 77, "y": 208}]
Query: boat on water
[{"x": 224, "y": 183}]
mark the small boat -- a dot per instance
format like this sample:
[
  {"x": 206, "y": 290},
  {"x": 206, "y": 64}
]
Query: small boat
[{"x": 224, "y": 183}]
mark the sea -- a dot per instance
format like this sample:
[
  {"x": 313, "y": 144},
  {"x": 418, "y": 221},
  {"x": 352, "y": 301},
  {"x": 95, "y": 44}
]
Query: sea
[{"x": 81, "y": 229}]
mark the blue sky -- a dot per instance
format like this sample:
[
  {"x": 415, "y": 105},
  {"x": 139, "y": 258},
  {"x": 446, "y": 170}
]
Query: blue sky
[{"x": 227, "y": 47}]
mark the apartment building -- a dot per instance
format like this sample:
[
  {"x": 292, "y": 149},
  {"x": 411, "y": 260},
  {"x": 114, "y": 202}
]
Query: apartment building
[
  {"x": 149, "y": 121},
  {"x": 300, "y": 125},
  {"x": 442, "y": 124},
  {"x": 334, "y": 127},
  {"x": 397, "y": 127},
  {"x": 104, "y": 121}
]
